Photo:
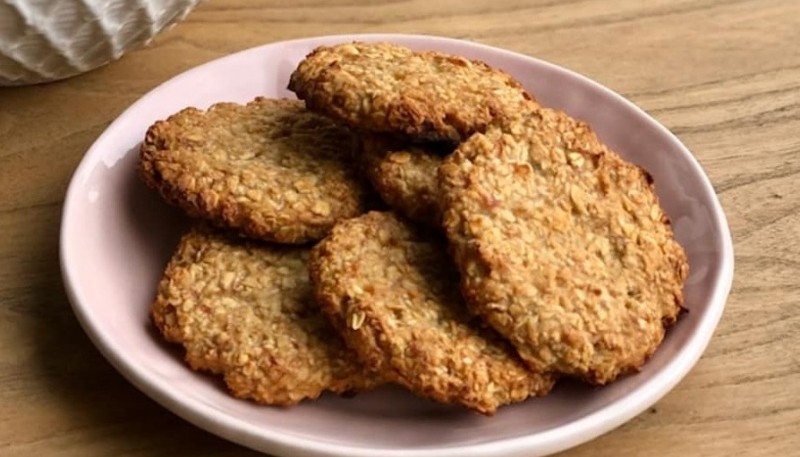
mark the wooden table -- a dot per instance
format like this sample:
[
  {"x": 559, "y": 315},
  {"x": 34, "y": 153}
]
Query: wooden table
[{"x": 723, "y": 75}]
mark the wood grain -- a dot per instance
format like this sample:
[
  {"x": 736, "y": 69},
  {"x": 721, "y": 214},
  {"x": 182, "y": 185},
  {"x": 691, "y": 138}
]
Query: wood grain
[{"x": 723, "y": 75}]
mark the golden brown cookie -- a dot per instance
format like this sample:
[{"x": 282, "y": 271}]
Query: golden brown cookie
[
  {"x": 562, "y": 246},
  {"x": 269, "y": 169},
  {"x": 245, "y": 310},
  {"x": 404, "y": 175},
  {"x": 392, "y": 293},
  {"x": 388, "y": 88}
]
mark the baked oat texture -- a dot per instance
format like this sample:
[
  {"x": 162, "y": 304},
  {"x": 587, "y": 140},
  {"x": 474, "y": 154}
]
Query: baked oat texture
[
  {"x": 392, "y": 293},
  {"x": 404, "y": 175},
  {"x": 384, "y": 87},
  {"x": 269, "y": 169},
  {"x": 245, "y": 310},
  {"x": 562, "y": 246}
]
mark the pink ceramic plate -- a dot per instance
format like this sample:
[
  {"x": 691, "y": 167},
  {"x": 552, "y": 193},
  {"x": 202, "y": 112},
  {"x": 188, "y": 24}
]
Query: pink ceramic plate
[{"x": 116, "y": 237}]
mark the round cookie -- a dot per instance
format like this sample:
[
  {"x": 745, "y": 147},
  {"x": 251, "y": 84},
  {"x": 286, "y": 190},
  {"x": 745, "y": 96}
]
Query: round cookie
[
  {"x": 245, "y": 310},
  {"x": 387, "y": 88},
  {"x": 269, "y": 169},
  {"x": 392, "y": 293},
  {"x": 404, "y": 175},
  {"x": 562, "y": 246}
]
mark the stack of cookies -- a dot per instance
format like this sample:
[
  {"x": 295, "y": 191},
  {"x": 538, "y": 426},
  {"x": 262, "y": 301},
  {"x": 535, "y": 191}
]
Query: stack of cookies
[{"x": 418, "y": 219}]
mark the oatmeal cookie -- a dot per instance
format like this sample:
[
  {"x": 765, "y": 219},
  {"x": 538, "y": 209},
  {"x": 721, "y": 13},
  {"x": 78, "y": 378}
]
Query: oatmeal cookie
[
  {"x": 245, "y": 310},
  {"x": 269, "y": 169},
  {"x": 384, "y": 87},
  {"x": 404, "y": 175},
  {"x": 392, "y": 293},
  {"x": 562, "y": 246}
]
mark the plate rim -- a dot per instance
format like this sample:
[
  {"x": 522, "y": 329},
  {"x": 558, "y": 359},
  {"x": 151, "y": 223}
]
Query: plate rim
[{"x": 550, "y": 441}]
